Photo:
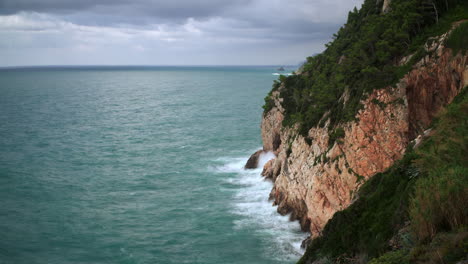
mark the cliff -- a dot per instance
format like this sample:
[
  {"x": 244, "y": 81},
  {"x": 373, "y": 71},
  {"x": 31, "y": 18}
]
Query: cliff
[
  {"x": 313, "y": 181},
  {"x": 357, "y": 111}
]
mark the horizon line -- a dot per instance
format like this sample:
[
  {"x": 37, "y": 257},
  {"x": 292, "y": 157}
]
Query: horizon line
[{"x": 145, "y": 65}]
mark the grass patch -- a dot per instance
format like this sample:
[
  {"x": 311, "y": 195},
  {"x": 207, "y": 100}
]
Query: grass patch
[
  {"x": 458, "y": 39},
  {"x": 447, "y": 248},
  {"x": 394, "y": 257},
  {"x": 439, "y": 201}
]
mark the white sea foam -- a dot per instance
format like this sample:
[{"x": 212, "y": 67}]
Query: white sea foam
[
  {"x": 233, "y": 165},
  {"x": 285, "y": 74},
  {"x": 250, "y": 201}
]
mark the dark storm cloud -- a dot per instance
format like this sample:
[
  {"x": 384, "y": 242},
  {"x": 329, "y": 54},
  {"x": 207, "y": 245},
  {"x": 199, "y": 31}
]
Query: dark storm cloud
[{"x": 281, "y": 16}]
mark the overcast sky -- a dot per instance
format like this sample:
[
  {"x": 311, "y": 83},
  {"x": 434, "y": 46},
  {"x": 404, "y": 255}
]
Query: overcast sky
[{"x": 170, "y": 32}]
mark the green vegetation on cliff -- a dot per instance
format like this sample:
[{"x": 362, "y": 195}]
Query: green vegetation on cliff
[
  {"x": 415, "y": 212},
  {"x": 363, "y": 56},
  {"x": 458, "y": 39}
]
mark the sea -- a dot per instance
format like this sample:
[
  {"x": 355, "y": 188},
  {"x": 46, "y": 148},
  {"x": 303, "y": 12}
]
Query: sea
[{"x": 137, "y": 165}]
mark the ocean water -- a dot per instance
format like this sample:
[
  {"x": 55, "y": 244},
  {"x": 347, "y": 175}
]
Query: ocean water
[{"x": 136, "y": 165}]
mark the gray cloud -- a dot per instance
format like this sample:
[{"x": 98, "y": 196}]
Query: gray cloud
[
  {"x": 167, "y": 32},
  {"x": 173, "y": 9}
]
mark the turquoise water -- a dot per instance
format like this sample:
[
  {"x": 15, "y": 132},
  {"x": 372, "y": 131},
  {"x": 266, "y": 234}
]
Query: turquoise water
[{"x": 136, "y": 165}]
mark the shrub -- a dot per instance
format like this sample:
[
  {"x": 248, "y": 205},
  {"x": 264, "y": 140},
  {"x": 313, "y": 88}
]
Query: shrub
[
  {"x": 439, "y": 202},
  {"x": 269, "y": 103},
  {"x": 336, "y": 134},
  {"x": 444, "y": 248},
  {"x": 395, "y": 257},
  {"x": 440, "y": 194},
  {"x": 458, "y": 39}
]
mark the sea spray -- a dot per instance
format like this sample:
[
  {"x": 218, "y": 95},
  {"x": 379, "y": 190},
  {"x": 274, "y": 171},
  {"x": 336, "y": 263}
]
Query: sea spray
[{"x": 264, "y": 158}]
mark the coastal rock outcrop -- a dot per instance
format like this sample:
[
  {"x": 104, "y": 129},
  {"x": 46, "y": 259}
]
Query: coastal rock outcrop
[
  {"x": 252, "y": 162},
  {"x": 313, "y": 179}
]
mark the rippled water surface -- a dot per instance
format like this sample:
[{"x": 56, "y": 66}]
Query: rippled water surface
[{"x": 136, "y": 165}]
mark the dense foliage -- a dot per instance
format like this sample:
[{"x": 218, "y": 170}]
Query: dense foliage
[
  {"x": 363, "y": 56},
  {"x": 458, "y": 39},
  {"x": 439, "y": 201},
  {"x": 427, "y": 188}
]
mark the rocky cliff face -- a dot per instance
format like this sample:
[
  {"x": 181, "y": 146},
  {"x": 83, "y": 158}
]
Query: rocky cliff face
[{"x": 313, "y": 180}]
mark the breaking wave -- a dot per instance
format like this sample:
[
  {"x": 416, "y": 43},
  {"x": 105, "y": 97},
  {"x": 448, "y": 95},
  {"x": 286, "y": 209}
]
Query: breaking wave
[{"x": 250, "y": 201}]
